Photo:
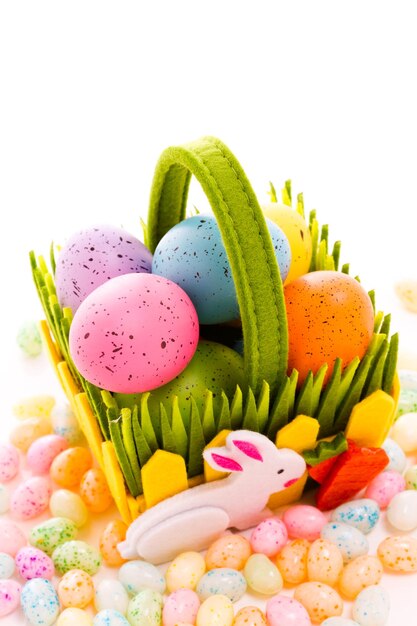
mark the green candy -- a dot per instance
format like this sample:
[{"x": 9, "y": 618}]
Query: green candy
[
  {"x": 52, "y": 533},
  {"x": 145, "y": 609},
  {"x": 29, "y": 339},
  {"x": 407, "y": 402},
  {"x": 76, "y": 555}
]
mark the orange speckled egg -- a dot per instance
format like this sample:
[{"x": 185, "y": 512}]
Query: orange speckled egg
[
  {"x": 228, "y": 551},
  {"x": 250, "y": 616},
  {"x": 95, "y": 491},
  {"x": 69, "y": 466},
  {"x": 113, "y": 534},
  {"x": 330, "y": 315}
]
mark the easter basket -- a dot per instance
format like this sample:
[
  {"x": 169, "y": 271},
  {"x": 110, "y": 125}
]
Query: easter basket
[{"x": 152, "y": 450}]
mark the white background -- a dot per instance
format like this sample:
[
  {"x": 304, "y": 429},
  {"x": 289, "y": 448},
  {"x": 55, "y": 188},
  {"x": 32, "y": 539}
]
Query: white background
[{"x": 91, "y": 93}]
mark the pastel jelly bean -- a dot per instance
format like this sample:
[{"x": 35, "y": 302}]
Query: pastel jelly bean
[
  {"x": 363, "y": 514},
  {"x": 95, "y": 491},
  {"x": 31, "y": 498},
  {"x": 76, "y": 589},
  {"x": 50, "y": 534},
  {"x": 34, "y": 406},
  {"x": 304, "y": 522},
  {"x": 40, "y": 602},
  {"x": 292, "y": 561},
  {"x": 339, "y": 621},
  {"x": 284, "y": 611},
  {"x": 113, "y": 534},
  {"x": 248, "y": 616},
  {"x": 262, "y": 575},
  {"x": 4, "y": 499},
  {"x": 9, "y": 596},
  {"x": 9, "y": 462},
  {"x": 215, "y": 611},
  {"x": 324, "y": 562},
  {"x": 350, "y": 541},
  {"x": 224, "y": 581},
  {"x": 228, "y": 551},
  {"x": 33, "y": 563},
  {"x": 110, "y": 617},
  {"x": 404, "y": 432},
  {"x": 407, "y": 402},
  {"x": 29, "y": 339},
  {"x": 136, "y": 576},
  {"x": 42, "y": 452},
  {"x": 12, "y": 538},
  {"x": 145, "y": 609},
  {"x": 399, "y": 553},
  {"x": 384, "y": 487},
  {"x": 269, "y": 536},
  {"x": 74, "y": 617},
  {"x": 65, "y": 424},
  {"x": 371, "y": 607},
  {"x": 24, "y": 434},
  {"x": 111, "y": 594},
  {"x": 362, "y": 572},
  {"x": 320, "y": 601},
  {"x": 397, "y": 458},
  {"x": 65, "y": 503},
  {"x": 185, "y": 571},
  {"x": 180, "y": 606},
  {"x": 402, "y": 510},
  {"x": 410, "y": 477},
  {"x": 7, "y": 566},
  {"x": 76, "y": 555},
  {"x": 69, "y": 466}
]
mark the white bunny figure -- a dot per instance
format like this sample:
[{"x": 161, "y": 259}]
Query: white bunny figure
[{"x": 194, "y": 518}]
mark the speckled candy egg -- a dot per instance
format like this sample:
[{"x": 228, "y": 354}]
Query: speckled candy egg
[
  {"x": 12, "y": 538},
  {"x": 262, "y": 575},
  {"x": 138, "y": 575},
  {"x": 404, "y": 431},
  {"x": 76, "y": 588},
  {"x": 9, "y": 462},
  {"x": 411, "y": 477},
  {"x": 42, "y": 452},
  {"x": 384, "y": 487},
  {"x": 399, "y": 553},
  {"x": 134, "y": 333},
  {"x": 304, "y": 522},
  {"x": 33, "y": 563},
  {"x": 113, "y": 534},
  {"x": 31, "y": 498},
  {"x": 69, "y": 466},
  {"x": 285, "y": 611},
  {"x": 329, "y": 315},
  {"x": 40, "y": 602},
  {"x": 363, "y": 514},
  {"x": 65, "y": 424},
  {"x": 228, "y": 551},
  {"x": 225, "y": 581},
  {"x": 402, "y": 510},
  {"x": 9, "y": 596},
  {"x": 350, "y": 541},
  {"x": 95, "y": 491},
  {"x": 74, "y": 617},
  {"x": 397, "y": 458},
  {"x": 93, "y": 256},
  {"x": 110, "y": 617},
  {"x": 249, "y": 616},
  {"x": 34, "y": 406},
  {"x": 360, "y": 573},
  {"x": 76, "y": 555},
  {"x": 7, "y": 566},
  {"x": 292, "y": 561},
  {"x": 4, "y": 499},
  {"x": 29, "y": 339},
  {"x": 185, "y": 571},
  {"x": 67, "y": 504},
  {"x": 24, "y": 434},
  {"x": 339, "y": 621},
  {"x": 371, "y": 607},
  {"x": 215, "y": 611},
  {"x": 324, "y": 562},
  {"x": 111, "y": 594},
  {"x": 320, "y": 600},
  {"x": 180, "y": 606},
  {"x": 145, "y": 609},
  {"x": 193, "y": 255},
  {"x": 269, "y": 536},
  {"x": 52, "y": 533}
]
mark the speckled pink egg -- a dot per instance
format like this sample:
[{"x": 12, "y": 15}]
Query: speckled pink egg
[
  {"x": 9, "y": 596},
  {"x": 285, "y": 611},
  {"x": 304, "y": 522},
  {"x": 12, "y": 538},
  {"x": 42, "y": 452},
  {"x": 31, "y": 498},
  {"x": 269, "y": 536},
  {"x": 385, "y": 486},
  {"x": 33, "y": 563},
  {"x": 93, "y": 256},
  {"x": 134, "y": 333},
  {"x": 180, "y": 606},
  {"x": 9, "y": 462}
]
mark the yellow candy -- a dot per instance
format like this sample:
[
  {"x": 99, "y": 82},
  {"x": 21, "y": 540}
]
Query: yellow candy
[
  {"x": 399, "y": 553},
  {"x": 23, "y": 435},
  {"x": 217, "y": 610},
  {"x": 76, "y": 589},
  {"x": 69, "y": 466},
  {"x": 262, "y": 575},
  {"x": 95, "y": 491},
  {"x": 292, "y": 561},
  {"x": 35, "y": 406},
  {"x": 250, "y": 616},
  {"x": 324, "y": 562},
  {"x": 228, "y": 551},
  {"x": 319, "y": 600},
  {"x": 74, "y": 617},
  {"x": 113, "y": 534},
  {"x": 65, "y": 503},
  {"x": 185, "y": 571},
  {"x": 363, "y": 571}
]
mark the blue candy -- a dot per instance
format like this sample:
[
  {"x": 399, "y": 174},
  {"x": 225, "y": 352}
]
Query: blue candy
[
  {"x": 363, "y": 514},
  {"x": 40, "y": 602}
]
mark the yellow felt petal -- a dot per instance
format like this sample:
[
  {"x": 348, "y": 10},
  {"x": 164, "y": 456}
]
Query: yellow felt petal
[
  {"x": 211, "y": 474},
  {"x": 371, "y": 419},
  {"x": 89, "y": 425},
  {"x": 300, "y": 434},
  {"x": 289, "y": 495},
  {"x": 163, "y": 476},
  {"x": 115, "y": 480}
]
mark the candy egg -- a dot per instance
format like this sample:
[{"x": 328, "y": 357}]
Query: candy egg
[
  {"x": 76, "y": 555},
  {"x": 111, "y": 594},
  {"x": 399, "y": 553},
  {"x": 285, "y": 611},
  {"x": 339, "y": 621},
  {"x": 371, "y": 607},
  {"x": 74, "y": 617},
  {"x": 9, "y": 596},
  {"x": 180, "y": 606},
  {"x": 402, "y": 510},
  {"x": 9, "y": 462},
  {"x": 262, "y": 575},
  {"x": 350, "y": 541},
  {"x": 134, "y": 333},
  {"x": 12, "y": 538},
  {"x": 136, "y": 576},
  {"x": 215, "y": 611},
  {"x": 42, "y": 452},
  {"x": 225, "y": 581},
  {"x": 4, "y": 499},
  {"x": 76, "y": 589},
  {"x": 304, "y": 522},
  {"x": 40, "y": 602},
  {"x": 52, "y": 533},
  {"x": 95, "y": 491},
  {"x": 320, "y": 601},
  {"x": 404, "y": 432},
  {"x": 29, "y": 339},
  {"x": 363, "y": 571},
  {"x": 249, "y": 616},
  {"x": 269, "y": 536},
  {"x": 65, "y": 424},
  {"x": 185, "y": 571},
  {"x": 145, "y": 609},
  {"x": 24, "y": 434},
  {"x": 34, "y": 406},
  {"x": 110, "y": 617},
  {"x": 292, "y": 561},
  {"x": 228, "y": 551},
  {"x": 33, "y": 563},
  {"x": 397, "y": 458},
  {"x": 113, "y": 534},
  {"x": 69, "y": 466},
  {"x": 67, "y": 504},
  {"x": 384, "y": 487},
  {"x": 324, "y": 562},
  {"x": 7, "y": 566},
  {"x": 363, "y": 514},
  {"x": 407, "y": 402},
  {"x": 411, "y": 477},
  {"x": 31, "y": 498},
  {"x": 329, "y": 315}
]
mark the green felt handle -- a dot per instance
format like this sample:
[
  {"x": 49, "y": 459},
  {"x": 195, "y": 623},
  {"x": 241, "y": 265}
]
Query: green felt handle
[{"x": 245, "y": 237}]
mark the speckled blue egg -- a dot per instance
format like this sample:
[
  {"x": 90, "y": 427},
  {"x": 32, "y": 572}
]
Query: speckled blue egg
[
  {"x": 40, "y": 602},
  {"x": 92, "y": 256},
  {"x": 363, "y": 514},
  {"x": 350, "y": 541},
  {"x": 371, "y": 607},
  {"x": 110, "y": 617},
  {"x": 397, "y": 458},
  {"x": 192, "y": 254},
  {"x": 222, "y": 580}
]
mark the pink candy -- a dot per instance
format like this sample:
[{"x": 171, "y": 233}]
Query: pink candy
[
  {"x": 33, "y": 563},
  {"x": 9, "y": 462},
  {"x": 269, "y": 536},
  {"x": 43, "y": 451},
  {"x": 384, "y": 487},
  {"x": 9, "y": 596},
  {"x": 304, "y": 522},
  {"x": 31, "y": 498},
  {"x": 180, "y": 606},
  {"x": 11, "y": 538},
  {"x": 285, "y": 611}
]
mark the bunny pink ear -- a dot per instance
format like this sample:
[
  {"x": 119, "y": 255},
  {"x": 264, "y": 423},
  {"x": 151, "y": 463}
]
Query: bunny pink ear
[
  {"x": 248, "y": 448},
  {"x": 221, "y": 462}
]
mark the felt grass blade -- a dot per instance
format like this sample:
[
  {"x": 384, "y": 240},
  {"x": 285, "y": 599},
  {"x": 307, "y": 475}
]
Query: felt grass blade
[
  {"x": 223, "y": 422},
  {"x": 279, "y": 414},
  {"x": 129, "y": 445},
  {"x": 98, "y": 406},
  {"x": 143, "y": 449},
  {"x": 236, "y": 409},
  {"x": 146, "y": 417},
  {"x": 378, "y": 319},
  {"x": 325, "y": 450},
  {"x": 314, "y": 231},
  {"x": 390, "y": 365},
  {"x": 147, "y": 425},
  {"x": 168, "y": 441},
  {"x": 317, "y": 388},
  {"x": 328, "y": 401},
  {"x": 272, "y": 193},
  {"x": 262, "y": 406},
  {"x": 209, "y": 425},
  {"x": 345, "y": 268},
  {"x": 52, "y": 257},
  {"x": 347, "y": 377},
  {"x": 196, "y": 442},
  {"x": 300, "y": 204},
  {"x": 178, "y": 429},
  {"x": 353, "y": 395},
  {"x": 371, "y": 295},
  {"x": 286, "y": 193},
  {"x": 376, "y": 372},
  {"x": 385, "y": 328},
  {"x": 336, "y": 253},
  {"x": 250, "y": 416},
  {"x": 304, "y": 398},
  {"x": 292, "y": 393},
  {"x": 109, "y": 400},
  {"x": 116, "y": 437}
]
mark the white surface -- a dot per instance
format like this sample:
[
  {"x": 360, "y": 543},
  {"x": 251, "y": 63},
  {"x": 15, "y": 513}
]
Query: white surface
[{"x": 91, "y": 93}]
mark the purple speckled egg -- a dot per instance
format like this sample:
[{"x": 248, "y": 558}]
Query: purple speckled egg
[
  {"x": 9, "y": 596},
  {"x": 93, "y": 256},
  {"x": 269, "y": 537},
  {"x": 42, "y": 452},
  {"x": 31, "y": 498},
  {"x": 9, "y": 462},
  {"x": 134, "y": 333},
  {"x": 33, "y": 563}
]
